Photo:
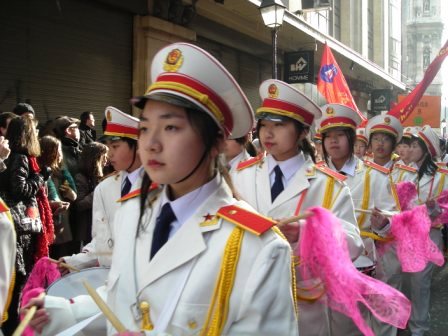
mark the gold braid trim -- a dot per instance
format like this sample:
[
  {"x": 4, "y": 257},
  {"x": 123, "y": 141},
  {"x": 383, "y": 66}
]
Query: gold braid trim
[
  {"x": 219, "y": 307},
  {"x": 365, "y": 198},
  {"x": 394, "y": 192},
  {"x": 329, "y": 188},
  {"x": 327, "y": 203},
  {"x": 441, "y": 184},
  {"x": 293, "y": 272},
  {"x": 400, "y": 177}
]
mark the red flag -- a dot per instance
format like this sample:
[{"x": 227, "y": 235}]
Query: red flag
[
  {"x": 331, "y": 82},
  {"x": 403, "y": 109}
]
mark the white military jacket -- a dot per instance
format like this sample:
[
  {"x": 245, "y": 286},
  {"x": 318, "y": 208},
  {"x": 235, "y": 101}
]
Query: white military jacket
[
  {"x": 7, "y": 257},
  {"x": 253, "y": 184},
  {"x": 377, "y": 193},
  {"x": 105, "y": 204},
  {"x": 178, "y": 283}
]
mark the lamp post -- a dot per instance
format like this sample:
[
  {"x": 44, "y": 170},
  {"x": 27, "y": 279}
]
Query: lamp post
[{"x": 272, "y": 12}]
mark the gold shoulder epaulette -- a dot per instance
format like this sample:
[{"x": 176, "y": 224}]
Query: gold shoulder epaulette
[
  {"x": 250, "y": 221},
  {"x": 250, "y": 162},
  {"x": 376, "y": 166},
  {"x": 328, "y": 171},
  {"x": 3, "y": 206},
  {"x": 404, "y": 167},
  {"x": 137, "y": 192},
  {"x": 443, "y": 170}
]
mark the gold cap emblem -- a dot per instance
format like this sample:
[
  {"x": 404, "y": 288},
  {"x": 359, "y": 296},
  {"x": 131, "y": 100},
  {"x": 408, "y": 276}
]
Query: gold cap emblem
[
  {"x": 173, "y": 60},
  {"x": 273, "y": 91},
  {"x": 329, "y": 111},
  {"x": 387, "y": 120},
  {"x": 108, "y": 116}
]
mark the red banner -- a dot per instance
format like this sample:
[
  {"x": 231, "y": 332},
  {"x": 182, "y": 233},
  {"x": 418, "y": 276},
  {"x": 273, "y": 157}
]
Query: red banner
[
  {"x": 405, "y": 107},
  {"x": 331, "y": 82}
]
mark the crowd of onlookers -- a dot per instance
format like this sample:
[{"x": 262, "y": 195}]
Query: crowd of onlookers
[{"x": 49, "y": 174}]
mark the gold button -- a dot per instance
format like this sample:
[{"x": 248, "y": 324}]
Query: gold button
[
  {"x": 232, "y": 212},
  {"x": 192, "y": 324}
]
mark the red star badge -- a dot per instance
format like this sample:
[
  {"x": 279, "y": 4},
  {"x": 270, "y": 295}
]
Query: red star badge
[{"x": 207, "y": 217}]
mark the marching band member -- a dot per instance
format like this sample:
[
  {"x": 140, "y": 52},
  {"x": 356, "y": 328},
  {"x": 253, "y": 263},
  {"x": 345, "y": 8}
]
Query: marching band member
[
  {"x": 191, "y": 259},
  {"x": 7, "y": 259},
  {"x": 403, "y": 147},
  {"x": 361, "y": 143},
  {"x": 431, "y": 181},
  {"x": 367, "y": 181},
  {"x": 237, "y": 150},
  {"x": 121, "y": 131},
  {"x": 286, "y": 182}
]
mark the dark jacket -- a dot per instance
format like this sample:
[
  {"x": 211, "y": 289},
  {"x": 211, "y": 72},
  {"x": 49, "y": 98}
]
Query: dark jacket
[
  {"x": 19, "y": 189},
  {"x": 88, "y": 135},
  {"x": 83, "y": 208},
  {"x": 71, "y": 152}
]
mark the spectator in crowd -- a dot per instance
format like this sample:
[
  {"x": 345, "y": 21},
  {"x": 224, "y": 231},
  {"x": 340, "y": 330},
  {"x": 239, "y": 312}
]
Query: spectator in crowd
[
  {"x": 24, "y": 109},
  {"x": 22, "y": 190},
  {"x": 66, "y": 129},
  {"x": 93, "y": 159},
  {"x": 61, "y": 193},
  {"x": 86, "y": 129},
  {"x": 5, "y": 118}
]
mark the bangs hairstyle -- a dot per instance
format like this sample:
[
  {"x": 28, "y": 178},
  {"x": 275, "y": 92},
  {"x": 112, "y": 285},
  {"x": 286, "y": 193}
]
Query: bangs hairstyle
[
  {"x": 428, "y": 166},
  {"x": 210, "y": 133},
  {"x": 49, "y": 146},
  {"x": 351, "y": 137},
  {"x": 22, "y": 136},
  {"x": 304, "y": 145}
]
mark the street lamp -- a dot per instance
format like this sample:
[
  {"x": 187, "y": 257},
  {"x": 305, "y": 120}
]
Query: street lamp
[{"x": 272, "y": 12}]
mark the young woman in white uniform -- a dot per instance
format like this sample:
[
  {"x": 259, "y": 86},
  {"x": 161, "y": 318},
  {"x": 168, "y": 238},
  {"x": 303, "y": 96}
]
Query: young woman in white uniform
[
  {"x": 191, "y": 259},
  {"x": 287, "y": 182},
  {"x": 431, "y": 181},
  {"x": 368, "y": 182}
]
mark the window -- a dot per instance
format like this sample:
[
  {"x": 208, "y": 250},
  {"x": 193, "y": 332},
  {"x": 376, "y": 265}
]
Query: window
[{"x": 426, "y": 57}]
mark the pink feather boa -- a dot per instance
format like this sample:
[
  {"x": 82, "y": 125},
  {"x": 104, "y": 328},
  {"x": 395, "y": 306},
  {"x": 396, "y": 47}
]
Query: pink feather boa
[
  {"x": 44, "y": 273},
  {"x": 345, "y": 286}
]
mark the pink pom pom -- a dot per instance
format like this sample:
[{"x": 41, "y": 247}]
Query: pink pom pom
[
  {"x": 407, "y": 194},
  {"x": 324, "y": 254},
  {"x": 415, "y": 248}
]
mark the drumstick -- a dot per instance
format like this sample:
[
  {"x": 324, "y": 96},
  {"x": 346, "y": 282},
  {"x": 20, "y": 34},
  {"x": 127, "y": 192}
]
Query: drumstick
[
  {"x": 63, "y": 264},
  {"x": 369, "y": 211},
  {"x": 113, "y": 319},
  {"x": 293, "y": 219},
  {"x": 28, "y": 317}
]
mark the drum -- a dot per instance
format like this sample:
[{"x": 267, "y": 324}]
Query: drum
[
  {"x": 365, "y": 265},
  {"x": 71, "y": 285}
]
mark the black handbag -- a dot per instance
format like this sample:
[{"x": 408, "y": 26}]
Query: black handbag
[{"x": 26, "y": 218}]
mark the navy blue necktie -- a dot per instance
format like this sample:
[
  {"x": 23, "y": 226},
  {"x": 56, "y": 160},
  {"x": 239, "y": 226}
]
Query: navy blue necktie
[
  {"x": 126, "y": 187},
  {"x": 277, "y": 187},
  {"x": 162, "y": 229}
]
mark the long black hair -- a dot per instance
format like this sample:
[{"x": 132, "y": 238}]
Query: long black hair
[
  {"x": 351, "y": 137},
  {"x": 210, "y": 133},
  {"x": 305, "y": 145},
  {"x": 428, "y": 165}
]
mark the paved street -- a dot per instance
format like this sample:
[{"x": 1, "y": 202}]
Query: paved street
[{"x": 439, "y": 304}]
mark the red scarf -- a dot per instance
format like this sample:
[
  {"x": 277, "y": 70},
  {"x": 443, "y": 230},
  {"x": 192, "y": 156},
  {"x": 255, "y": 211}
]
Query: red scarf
[{"x": 46, "y": 238}]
